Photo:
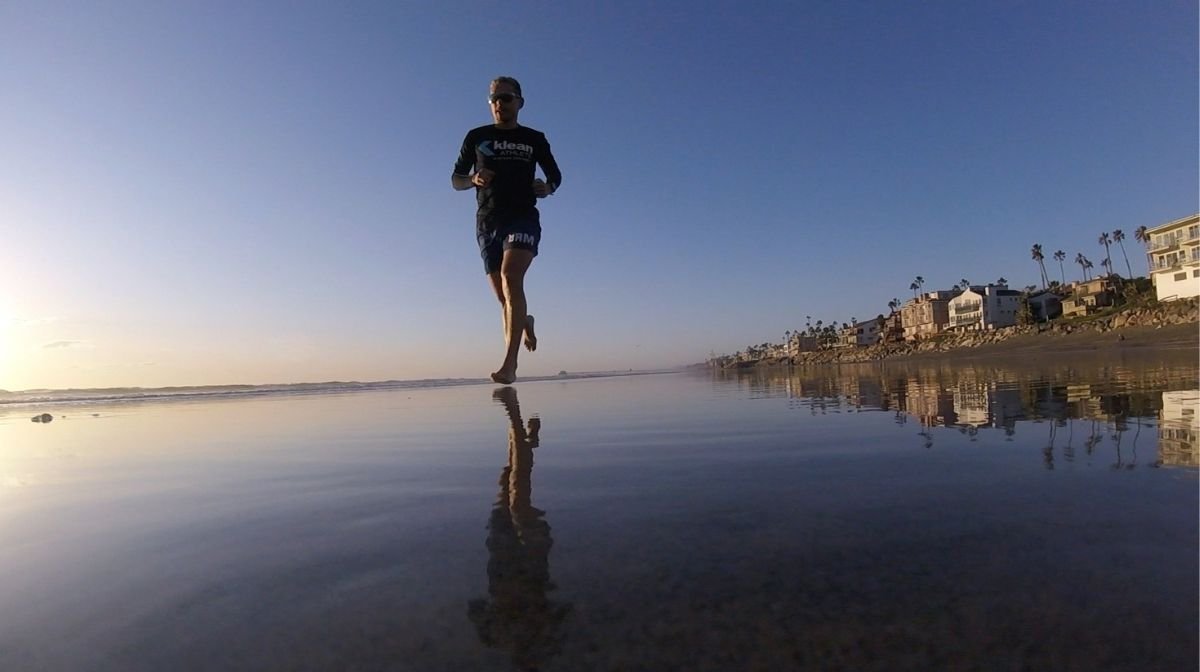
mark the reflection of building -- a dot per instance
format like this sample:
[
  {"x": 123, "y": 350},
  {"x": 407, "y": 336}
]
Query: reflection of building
[
  {"x": 931, "y": 404},
  {"x": 971, "y": 404},
  {"x": 1174, "y": 251},
  {"x": 1179, "y": 429},
  {"x": 987, "y": 404}
]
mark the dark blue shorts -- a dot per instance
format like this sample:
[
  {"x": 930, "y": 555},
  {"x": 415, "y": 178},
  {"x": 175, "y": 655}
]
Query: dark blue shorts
[{"x": 519, "y": 233}]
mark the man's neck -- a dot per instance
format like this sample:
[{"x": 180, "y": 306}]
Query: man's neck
[{"x": 508, "y": 126}]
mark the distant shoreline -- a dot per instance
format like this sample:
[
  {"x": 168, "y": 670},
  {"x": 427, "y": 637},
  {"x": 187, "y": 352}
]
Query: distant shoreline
[
  {"x": 1167, "y": 329},
  {"x": 128, "y": 395}
]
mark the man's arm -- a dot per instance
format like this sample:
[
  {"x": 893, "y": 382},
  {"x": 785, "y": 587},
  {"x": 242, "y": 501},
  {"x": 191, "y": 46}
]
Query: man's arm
[
  {"x": 460, "y": 182},
  {"x": 462, "y": 178},
  {"x": 479, "y": 178},
  {"x": 545, "y": 159}
]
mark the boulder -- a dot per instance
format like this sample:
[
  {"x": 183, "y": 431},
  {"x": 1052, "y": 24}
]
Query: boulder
[{"x": 44, "y": 417}]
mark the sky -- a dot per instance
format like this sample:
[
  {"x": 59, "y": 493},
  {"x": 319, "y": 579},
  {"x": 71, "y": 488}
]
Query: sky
[{"x": 202, "y": 193}]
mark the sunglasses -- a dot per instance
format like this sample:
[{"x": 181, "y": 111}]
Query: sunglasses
[{"x": 502, "y": 97}]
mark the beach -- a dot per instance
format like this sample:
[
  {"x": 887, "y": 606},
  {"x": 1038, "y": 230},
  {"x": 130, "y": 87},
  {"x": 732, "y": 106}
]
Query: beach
[{"x": 915, "y": 517}]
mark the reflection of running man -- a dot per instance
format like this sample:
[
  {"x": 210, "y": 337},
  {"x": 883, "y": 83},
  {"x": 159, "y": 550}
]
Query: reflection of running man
[{"x": 518, "y": 616}]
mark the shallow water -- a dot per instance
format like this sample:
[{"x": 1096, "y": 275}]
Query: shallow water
[{"x": 849, "y": 518}]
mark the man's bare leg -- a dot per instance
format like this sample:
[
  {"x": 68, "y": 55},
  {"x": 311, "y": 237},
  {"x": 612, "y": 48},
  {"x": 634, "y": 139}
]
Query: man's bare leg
[
  {"x": 497, "y": 284},
  {"x": 530, "y": 337},
  {"x": 512, "y": 280}
]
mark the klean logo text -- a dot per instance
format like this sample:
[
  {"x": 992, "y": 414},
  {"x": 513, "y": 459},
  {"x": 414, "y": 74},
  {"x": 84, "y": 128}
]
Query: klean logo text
[{"x": 506, "y": 146}]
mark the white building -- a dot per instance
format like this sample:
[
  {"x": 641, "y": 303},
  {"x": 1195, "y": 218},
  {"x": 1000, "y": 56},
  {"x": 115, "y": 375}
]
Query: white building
[
  {"x": 861, "y": 334},
  {"x": 990, "y": 307},
  {"x": 1174, "y": 250}
]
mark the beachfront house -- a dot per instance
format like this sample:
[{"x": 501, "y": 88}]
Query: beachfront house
[
  {"x": 861, "y": 334},
  {"x": 847, "y": 337},
  {"x": 867, "y": 332},
  {"x": 893, "y": 328},
  {"x": 926, "y": 315},
  {"x": 1090, "y": 296},
  {"x": 985, "y": 307},
  {"x": 1174, "y": 251},
  {"x": 1045, "y": 306},
  {"x": 802, "y": 343}
]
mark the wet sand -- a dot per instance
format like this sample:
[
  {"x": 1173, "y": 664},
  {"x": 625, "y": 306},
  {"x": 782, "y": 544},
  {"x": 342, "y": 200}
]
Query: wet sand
[{"x": 862, "y": 520}]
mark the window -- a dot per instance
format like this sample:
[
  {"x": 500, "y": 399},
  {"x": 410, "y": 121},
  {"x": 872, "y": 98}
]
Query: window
[
  {"x": 1181, "y": 276},
  {"x": 1196, "y": 273}
]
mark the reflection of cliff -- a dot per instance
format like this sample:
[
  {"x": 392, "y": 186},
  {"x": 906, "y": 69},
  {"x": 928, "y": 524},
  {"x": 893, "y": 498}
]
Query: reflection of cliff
[
  {"x": 518, "y": 616},
  {"x": 1179, "y": 429}
]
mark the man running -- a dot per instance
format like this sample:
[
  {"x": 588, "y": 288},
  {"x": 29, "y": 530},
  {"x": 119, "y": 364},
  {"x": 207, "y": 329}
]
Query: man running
[{"x": 507, "y": 225}]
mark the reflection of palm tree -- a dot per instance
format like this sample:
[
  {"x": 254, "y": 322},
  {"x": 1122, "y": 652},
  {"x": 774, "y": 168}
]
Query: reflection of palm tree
[
  {"x": 1069, "y": 450},
  {"x": 1090, "y": 444},
  {"x": 1048, "y": 451},
  {"x": 518, "y": 616}
]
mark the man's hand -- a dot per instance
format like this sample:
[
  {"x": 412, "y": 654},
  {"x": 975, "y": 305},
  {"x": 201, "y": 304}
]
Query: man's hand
[
  {"x": 541, "y": 189},
  {"x": 482, "y": 177}
]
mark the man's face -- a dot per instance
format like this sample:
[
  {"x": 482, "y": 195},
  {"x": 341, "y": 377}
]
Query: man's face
[{"x": 505, "y": 102}]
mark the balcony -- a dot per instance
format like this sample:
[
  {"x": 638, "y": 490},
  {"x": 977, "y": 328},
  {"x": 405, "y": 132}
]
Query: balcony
[
  {"x": 1165, "y": 266},
  {"x": 1168, "y": 243}
]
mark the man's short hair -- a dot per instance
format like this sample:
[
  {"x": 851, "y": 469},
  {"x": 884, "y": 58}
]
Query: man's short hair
[{"x": 510, "y": 81}]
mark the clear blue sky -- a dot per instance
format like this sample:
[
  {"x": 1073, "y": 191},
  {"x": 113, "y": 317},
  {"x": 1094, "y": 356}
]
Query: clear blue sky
[{"x": 206, "y": 193}]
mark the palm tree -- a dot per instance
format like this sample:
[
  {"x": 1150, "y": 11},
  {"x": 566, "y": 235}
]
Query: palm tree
[
  {"x": 1039, "y": 257},
  {"x": 892, "y": 306},
  {"x": 1104, "y": 240},
  {"x": 965, "y": 284},
  {"x": 1119, "y": 236},
  {"x": 1088, "y": 265},
  {"x": 1142, "y": 236},
  {"x": 1004, "y": 281},
  {"x": 914, "y": 287},
  {"x": 1082, "y": 261},
  {"x": 1059, "y": 256}
]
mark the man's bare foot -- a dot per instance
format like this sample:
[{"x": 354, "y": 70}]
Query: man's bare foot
[
  {"x": 504, "y": 377},
  {"x": 530, "y": 336}
]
